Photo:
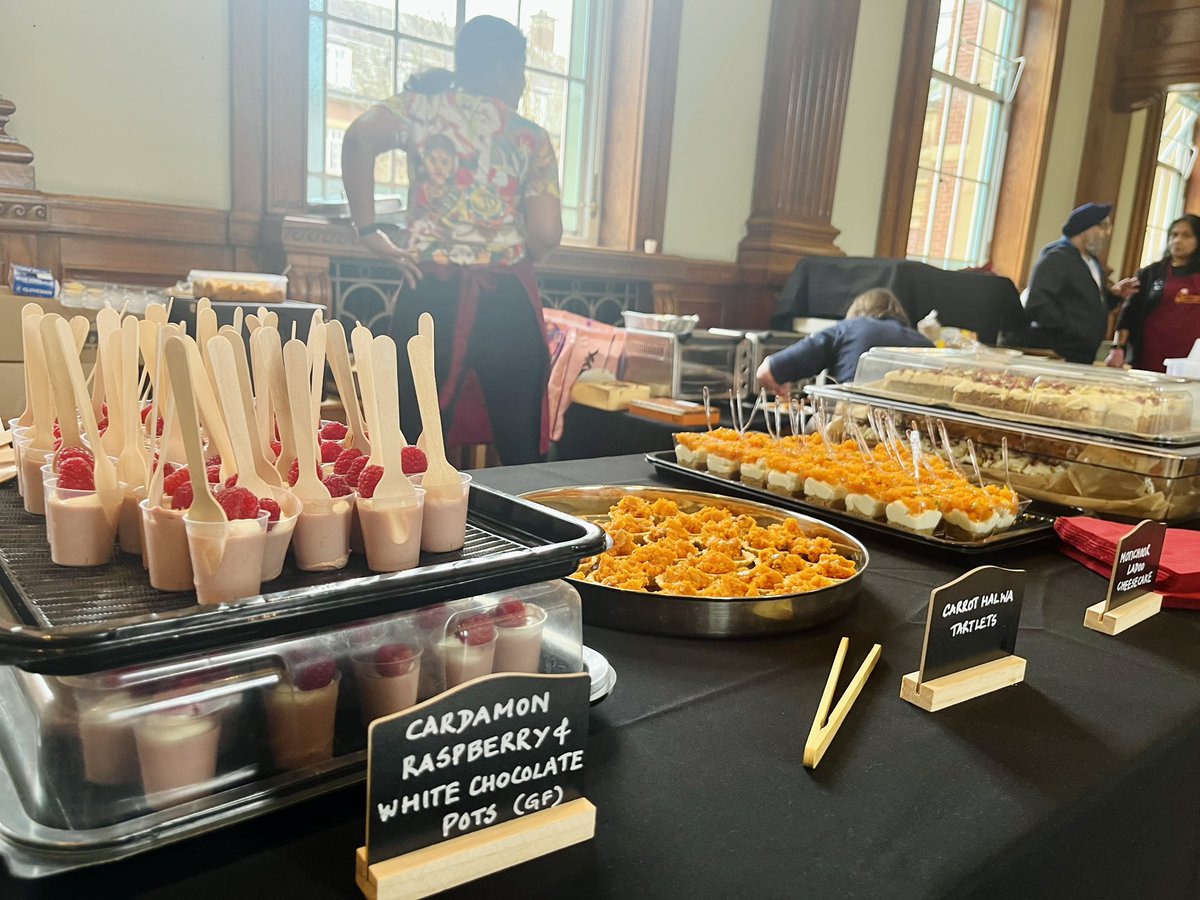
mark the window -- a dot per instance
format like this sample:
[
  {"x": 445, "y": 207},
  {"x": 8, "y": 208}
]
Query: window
[
  {"x": 362, "y": 51},
  {"x": 1176, "y": 157},
  {"x": 974, "y": 78},
  {"x": 333, "y": 150}
]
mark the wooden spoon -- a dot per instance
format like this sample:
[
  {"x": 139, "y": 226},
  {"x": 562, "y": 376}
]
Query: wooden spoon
[
  {"x": 37, "y": 377},
  {"x": 277, "y": 378},
  {"x": 262, "y": 389},
  {"x": 221, "y": 351},
  {"x": 440, "y": 473},
  {"x": 29, "y": 309},
  {"x": 238, "y": 315},
  {"x": 205, "y": 507},
  {"x": 364, "y": 355},
  {"x": 393, "y": 484},
  {"x": 308, "y": 486},
  {"x": 210, "y": 411},
  {"x": 425, "y": 329},
  {"x": 108, "y": 323},
  {"x": 339, "y": 361},
  {"x": 131, "y": 464},
  {"x": 262, "y": 465},
  {"x": 114, "y": 356},
  {"x": 158, "y": 473},
  {"x": 60, "y": 385},
  {"x": 316, "y": 357},
  {"x": 157, "y": 314}
]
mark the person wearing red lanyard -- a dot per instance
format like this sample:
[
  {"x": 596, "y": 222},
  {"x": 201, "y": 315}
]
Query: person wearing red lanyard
[
  {"x": 483, "y": 204},
  {"x": 1160, "y": 318}
]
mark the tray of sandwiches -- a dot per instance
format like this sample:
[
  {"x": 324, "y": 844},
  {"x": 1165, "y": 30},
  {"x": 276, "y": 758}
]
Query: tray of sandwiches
[
  {"x": 903, "y": 485},
  {"x": 1145, "y": 407},
  {"x": 1094, "y": 473}
]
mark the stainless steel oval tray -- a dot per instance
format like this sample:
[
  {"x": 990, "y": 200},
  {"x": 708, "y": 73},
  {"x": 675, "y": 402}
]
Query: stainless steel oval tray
[{"x": 658, "y": 613}]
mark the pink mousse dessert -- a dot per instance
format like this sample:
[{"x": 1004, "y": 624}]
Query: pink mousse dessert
[
  {"x": 469, "y": 648},
  {"x": 391, "y": 531},
  {"x": 321, "y": 540},
  {"x": 109, "y": 756},
  {"x": 129, "y": 526},
  {"x": 227, "y": 557},
  {"x": 444, "y": 525},
  {"x": 518, "y": 636},
  {"x": 280, "y": 528},
  {"x": 32, "y": 459},
  {"x": 82, "y": 529},
  {"x": 177, "y": 753},
  {"x": 387, "y": 680},
  {"x": 300, "y": 715},
  {"x": 166, "y": 548}
]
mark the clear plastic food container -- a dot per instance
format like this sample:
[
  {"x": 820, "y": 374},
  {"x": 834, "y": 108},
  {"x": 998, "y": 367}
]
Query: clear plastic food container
[
  {"x": 252, "y": 287},
  {"x": 1005, "y": 385},
  {"x": 107, "y": 764}
]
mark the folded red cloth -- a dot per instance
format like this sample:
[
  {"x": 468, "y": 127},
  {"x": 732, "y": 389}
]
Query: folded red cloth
[{"x": 1093, "y": 542}]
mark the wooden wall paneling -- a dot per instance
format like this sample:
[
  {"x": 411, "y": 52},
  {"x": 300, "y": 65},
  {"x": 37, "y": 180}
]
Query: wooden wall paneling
[
  {"x": 1107, "y": 133},
  {"x": 152, "y": 222},
  {"x": 1160, "y": 48},
  {"x": 137, "y": 259},
  {"x": 908, "y": 119},
  {"x": 1143, "y": 187},
  {"x": 807, "y": 79},
  {"x": 1045, "y": 35}
]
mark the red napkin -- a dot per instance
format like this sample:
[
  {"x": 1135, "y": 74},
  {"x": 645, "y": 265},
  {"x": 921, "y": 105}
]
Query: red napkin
[{"x": 1093, "y": 542}]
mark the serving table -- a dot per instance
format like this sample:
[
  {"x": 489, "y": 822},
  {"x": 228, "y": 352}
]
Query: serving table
[{"x": 1084, "y": 780}]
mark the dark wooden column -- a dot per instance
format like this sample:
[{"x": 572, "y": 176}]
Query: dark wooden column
[
  {"x": 800, "y": 134},
  {"x": 16, "y": 160}
]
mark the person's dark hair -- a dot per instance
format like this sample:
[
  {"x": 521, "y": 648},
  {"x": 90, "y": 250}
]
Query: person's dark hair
[
  {"x": 878, "y": 303},
  {"x": 1193, "y": 222},
  {"x": 482, "y": 44}
]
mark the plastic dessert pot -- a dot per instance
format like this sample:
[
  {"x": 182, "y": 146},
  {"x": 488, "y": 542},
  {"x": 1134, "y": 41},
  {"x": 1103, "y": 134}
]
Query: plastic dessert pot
[
  {"x": 381, "y": 695},
  {"x": 166, "y": 548},
  {"x": 356, "y": 535},
  {"x": 109, "y": 756},
  {"x": 32, "y": 460},
  {"x": 279, "y": 535},
  {"x": 465, "y": 661},
  {"x": 392, "y": 531},
  {"x": 129, "y": 527},
  {"x": 444, "y": 523},
  {"x": 177, "y": 753},
  {"x": 519, "y": 643},
  {"x": 321, "y": 540},
  {"x": 300, "y": 723},
  {"x": 82, "y": 532},
  {"x": 227, "y": 557},
  {"x": 20, "y": 441}
]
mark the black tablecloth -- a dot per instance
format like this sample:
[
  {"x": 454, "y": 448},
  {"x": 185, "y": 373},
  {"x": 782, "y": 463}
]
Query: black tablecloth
[
  {"x": 824, "y": 286},
  {"x": 1082, "y": 781}
]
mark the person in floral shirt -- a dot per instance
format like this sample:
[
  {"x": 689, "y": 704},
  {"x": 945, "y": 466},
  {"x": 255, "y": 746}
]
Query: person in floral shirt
[{"x": 483, "y": 206}]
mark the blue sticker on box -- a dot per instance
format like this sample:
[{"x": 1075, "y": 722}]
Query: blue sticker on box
[{"x": 27, "y": 281}]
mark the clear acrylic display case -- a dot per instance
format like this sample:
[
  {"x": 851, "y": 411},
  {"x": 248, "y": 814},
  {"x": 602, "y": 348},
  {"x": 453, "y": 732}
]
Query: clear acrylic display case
[
  {"x": 1144, "y": 406},
  {"x": 107, "y": 764}
]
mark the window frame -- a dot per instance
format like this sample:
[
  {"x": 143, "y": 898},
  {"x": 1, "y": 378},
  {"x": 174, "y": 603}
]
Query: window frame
[{"x": 1154, "y": 235}]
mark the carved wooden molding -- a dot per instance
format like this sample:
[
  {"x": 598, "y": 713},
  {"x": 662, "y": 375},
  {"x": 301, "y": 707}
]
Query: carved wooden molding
[
  {"x": 810, "y": 49},
  {"x": 23, "y": 211}
]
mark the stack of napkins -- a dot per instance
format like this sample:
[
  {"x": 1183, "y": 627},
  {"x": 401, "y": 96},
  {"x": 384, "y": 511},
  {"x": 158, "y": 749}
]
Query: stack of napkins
[{"x": 1093, "y": 542}]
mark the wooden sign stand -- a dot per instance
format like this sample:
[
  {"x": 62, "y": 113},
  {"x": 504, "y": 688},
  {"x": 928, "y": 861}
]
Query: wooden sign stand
[
  {"x": 938, "y": 693},
  {"x": 1128, "y": 603},
  {"x": 442, "y": 866}
]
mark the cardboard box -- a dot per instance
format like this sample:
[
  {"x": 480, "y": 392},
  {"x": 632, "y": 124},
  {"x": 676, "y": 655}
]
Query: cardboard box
[
  {"x": 676, "y": 412},
  {"x": 608, "y": 395},
  {"x": 10, "y": 323}
]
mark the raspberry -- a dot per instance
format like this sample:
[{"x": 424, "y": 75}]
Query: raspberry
[
  {"x": 238, "y": 503},
  {"x": 413, "y": 461},
  {"x": 355, "y": 470},
  {"x": 169, "y": 468},
  {"x": 276, "y": 448},
  {"x": 316, "y": 675},
  {"x": 332, "y": 431},
  {"x": 475, "y": 630},
  {"x": 213, "y": 473},
  {"x": 145, "y": 412},
  {"x": 55, "y": 429},
  {"x": 432, "y": 618},
  {"x": 342, "y": 464},
  {"x": 102, "y": 425},
  {"x": 182, "y": 498},
  {"x": 75, "y": 474},
  {"x": 76, "y": 453},
  {"x": 392, "y": 660},
  {"x": 231, "y": 481},
  {"x": 337, "y": 486},
  {"x": 272, "y": 508},
  {"x": 159, "y": 429},
  {"x": 368, "y": 480},
  {"x": 172, "y": 481},
  {"x": 330, "y": 451},
  {"x": 294, "y": 473},
  {"x": 510, "y": 613},
  {"x": 214, "y": 460}
]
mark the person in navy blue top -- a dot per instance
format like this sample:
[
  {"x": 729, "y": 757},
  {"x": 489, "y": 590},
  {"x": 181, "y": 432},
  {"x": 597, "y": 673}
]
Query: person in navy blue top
[{"x": 874, "y": 319}]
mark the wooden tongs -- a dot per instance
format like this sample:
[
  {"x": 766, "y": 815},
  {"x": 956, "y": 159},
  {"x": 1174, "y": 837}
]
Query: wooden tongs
[{"x": 826, "y": 724}]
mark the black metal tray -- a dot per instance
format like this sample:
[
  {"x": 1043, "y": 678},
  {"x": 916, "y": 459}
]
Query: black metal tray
[
  {"x": 65, "y": 621},
  {"x": 1029, "y": 528}
]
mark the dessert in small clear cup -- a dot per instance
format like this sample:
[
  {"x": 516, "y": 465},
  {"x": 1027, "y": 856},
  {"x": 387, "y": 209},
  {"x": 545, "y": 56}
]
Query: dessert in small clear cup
[
  {"x": 20, "y": 441},
  {"x": 321, "y": 539},
  {"x": 391, "y": 531},
  {"x": 129, "y": 526},
  {"x": 166, "y": 548},
  {"x": 106, "y": 736},
  {"x": 227, "y": 557},
  {"x": 444, "y": 522},
  {"x": 388, "y": 676},
  {"x": 301, "y": 709},
  {"x": 468, "y": 648},
  {"x": 518, "y": 636},
  {"x": 81, "y": 529},
  {"x": 279, "y": 534},
  {"x": 32, "y": 459},
  {"x": 177, "y": 752}
]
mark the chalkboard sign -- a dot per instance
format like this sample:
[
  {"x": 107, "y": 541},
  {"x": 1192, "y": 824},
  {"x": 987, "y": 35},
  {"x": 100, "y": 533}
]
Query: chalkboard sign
[
  {"x": 972, "y": 620},
  {"x": 1135, "y": 567},
  {"x": 489, "y": 751}
]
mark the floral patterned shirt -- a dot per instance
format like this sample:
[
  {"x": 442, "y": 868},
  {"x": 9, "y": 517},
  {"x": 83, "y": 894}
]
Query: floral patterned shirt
[{"x": 472, "y": 162}]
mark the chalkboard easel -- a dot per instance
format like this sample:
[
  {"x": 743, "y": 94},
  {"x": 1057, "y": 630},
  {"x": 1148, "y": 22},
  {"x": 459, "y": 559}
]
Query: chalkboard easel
[{"x": 1135, "y": 567}]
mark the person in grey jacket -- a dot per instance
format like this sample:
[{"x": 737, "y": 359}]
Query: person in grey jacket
[
  {"x": 1069, "y": 301},
  {"x": 874, "y": 319}
]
